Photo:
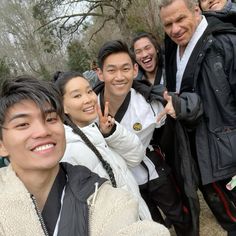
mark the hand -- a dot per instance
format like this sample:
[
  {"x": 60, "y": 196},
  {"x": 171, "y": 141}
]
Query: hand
[
  {"x": 106, "y": 122},
  {"x": 168, "y": 109}
]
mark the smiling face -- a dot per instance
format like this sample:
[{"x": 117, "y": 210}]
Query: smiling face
[
  {"x": 80, "y": 101},
  {"x": 118, "y": 73},
  {"x": 146, "y": 54},
  {"x": 32, "y": 141},
  {"x": 212, "y": 5},
  {"x": 180, "y": 22}
]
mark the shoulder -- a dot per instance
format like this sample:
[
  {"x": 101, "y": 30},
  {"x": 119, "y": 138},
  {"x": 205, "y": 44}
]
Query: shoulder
[
  {"x": 16, "y": 206},
  {"x": 113, "y": 208},
  {"x": 144, "y": 228},
  {"x": 9, "y": 182},
  {"x": 137, "y": 96},
  {"x": 117, "y": 212}
]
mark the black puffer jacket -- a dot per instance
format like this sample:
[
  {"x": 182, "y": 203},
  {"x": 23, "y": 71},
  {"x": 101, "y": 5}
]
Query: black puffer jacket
[
  {"x": 80, "y": 186},
  {"x": 228, "y": 14},
  {"x": 211, "y": 73}
]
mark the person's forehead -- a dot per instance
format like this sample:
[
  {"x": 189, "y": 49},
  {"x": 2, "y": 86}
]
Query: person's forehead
[
  {"x": 25, "y": 108},
  {"x": 174, "y": 11},
  {"x": 118, "y": 59},
  {"x": 142, "y": 42}
]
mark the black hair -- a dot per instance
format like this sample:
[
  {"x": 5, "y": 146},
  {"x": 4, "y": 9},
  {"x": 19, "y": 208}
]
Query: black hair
[
  {"x": 113, "y": 47},
  {"x": 61, "y": 79},
  {"x": 153, "y": 41},
  {"x": 26, "y": 87}
]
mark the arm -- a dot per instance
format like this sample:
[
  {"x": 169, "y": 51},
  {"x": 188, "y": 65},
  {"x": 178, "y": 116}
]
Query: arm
[
  {"x": 186, "y": 107},
  {"x": 121, "y": 140},
  {"x": 127, "y": 144}
]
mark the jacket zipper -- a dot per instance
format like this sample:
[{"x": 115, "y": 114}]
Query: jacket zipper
[{"x": 40, "y": 216}]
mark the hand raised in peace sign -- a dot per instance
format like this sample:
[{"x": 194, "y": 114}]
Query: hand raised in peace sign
[{"x": 106, "y": 122}]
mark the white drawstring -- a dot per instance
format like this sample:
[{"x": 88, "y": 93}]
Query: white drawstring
[{"x": 95, "y": 193}]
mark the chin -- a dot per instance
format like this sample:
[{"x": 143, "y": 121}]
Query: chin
[{"x": 91, "y": 117}]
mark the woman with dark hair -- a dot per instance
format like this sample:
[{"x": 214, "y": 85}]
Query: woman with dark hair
[
  {"x": 225, "y": 10},
  {"x": 105, "y": 147}
]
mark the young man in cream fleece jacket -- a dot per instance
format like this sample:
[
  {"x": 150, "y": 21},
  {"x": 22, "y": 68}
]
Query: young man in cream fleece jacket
[{"x": 39, "y": 196}]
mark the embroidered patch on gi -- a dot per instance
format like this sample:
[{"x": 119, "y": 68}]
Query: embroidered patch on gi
[{"x": 137, "y": 126}]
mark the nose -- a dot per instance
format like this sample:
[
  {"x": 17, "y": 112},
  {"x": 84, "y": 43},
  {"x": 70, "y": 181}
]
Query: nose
[
  {"x": 87, "y": 98},
  {"x": 40, "y": 129},
  {"x": 175, "y": 29},
  {"x": 119, "y": 74},
  {"x": 143, "y": 53}
]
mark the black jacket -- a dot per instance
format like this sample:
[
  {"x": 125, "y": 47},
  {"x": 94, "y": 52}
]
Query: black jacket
[
  {"x": 211, "y": 73},
  {"x": 80, "y": 185},
  {"x": 228, "y": 14}
]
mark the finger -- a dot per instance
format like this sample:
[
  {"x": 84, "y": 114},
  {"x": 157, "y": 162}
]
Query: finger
[
  {"x": 161, "y": 115},
  {"x": 111, "y": 120},
  {"x": 99, "y": 111},
  {"x": 167, "y": 97},
  {"x": 106, "y": 109}
]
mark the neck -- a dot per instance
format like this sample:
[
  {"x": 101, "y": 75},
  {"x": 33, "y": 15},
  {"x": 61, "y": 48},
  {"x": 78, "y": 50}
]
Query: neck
[
  {"x": 39, "y": 183},
  {"x": 182, "y": 48},
  {"x": 151, "y": 76},
  {"x": 181, "y": 51},
  {"x": 114, "y": 102}
]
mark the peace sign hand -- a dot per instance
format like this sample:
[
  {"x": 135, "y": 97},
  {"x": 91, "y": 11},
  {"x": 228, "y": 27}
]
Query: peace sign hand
[{"x": 106, "y": 122}]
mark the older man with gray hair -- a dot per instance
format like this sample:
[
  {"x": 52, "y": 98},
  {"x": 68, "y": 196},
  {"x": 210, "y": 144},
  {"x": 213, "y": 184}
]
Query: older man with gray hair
[{"x": 201, "y": 59}]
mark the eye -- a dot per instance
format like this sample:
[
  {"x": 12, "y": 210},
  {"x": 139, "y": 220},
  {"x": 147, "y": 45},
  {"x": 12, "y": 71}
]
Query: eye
[
  {"x": 111, "y": 71},
  {"x": 52, "y": 117},
  {"x": 137, "y": 52},
  {"x": 148, "y": 47},
  {"x": 167, "y": 25},
  {"x": 90, "y": 91},
  {"x": 77, "y": 96},
  {"x": 22, "y": 125},
  {"x": 126, "y": 69},
  {"x": 181, "y": 19}
]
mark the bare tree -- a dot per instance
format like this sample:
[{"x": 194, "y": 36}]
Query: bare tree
[
  {"x": 142, "y": 15},
  {"x": 27, "y": 50},
  {"x": 67, "y": 16}
]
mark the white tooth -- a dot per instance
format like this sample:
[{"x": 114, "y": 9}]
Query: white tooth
[
  {"x": 147, "y": 60},
  {"x": 88, "y": 109},
  {"x": 44, "y": 147}
]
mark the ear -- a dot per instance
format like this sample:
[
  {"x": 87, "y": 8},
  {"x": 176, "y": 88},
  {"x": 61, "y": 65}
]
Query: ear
[
  {"x": 135, "y": 70},
  {"x": 100, "y": 74},
  {"x": 198, "y": 11},
  {"x": 3, "y": 150}
]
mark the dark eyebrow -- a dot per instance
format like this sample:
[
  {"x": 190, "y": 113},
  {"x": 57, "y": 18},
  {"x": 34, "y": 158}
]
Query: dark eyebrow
[
  {"x": 22, "y": 115},
  {"x": 50, "y": 110}
]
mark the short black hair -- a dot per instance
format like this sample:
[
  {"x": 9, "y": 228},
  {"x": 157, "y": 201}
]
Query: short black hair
[
  {"x": 113, "y": 47},
  {"x": 26, "y": 87}
]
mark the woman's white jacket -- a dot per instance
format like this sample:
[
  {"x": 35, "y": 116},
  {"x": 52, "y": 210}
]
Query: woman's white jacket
[{"x": 122, "y": 149}]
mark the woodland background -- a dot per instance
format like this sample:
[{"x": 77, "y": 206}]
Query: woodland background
[{"x": 39, "y": 37}]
